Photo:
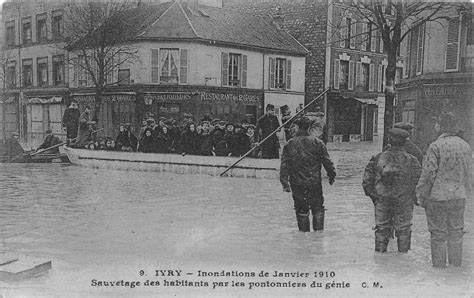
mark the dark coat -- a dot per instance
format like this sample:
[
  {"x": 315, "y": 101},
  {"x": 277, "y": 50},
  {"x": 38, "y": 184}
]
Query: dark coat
[
  {"x": 219, "y": 143},
  {"x": 125, "y": 140},
  {"x": 163, "y": 143},
  {"x": 243, "y": 143},
  {"x": 302, "y": 159},
  {"x": 267, "y": 124},
  {"x": 147, "y": 143},
  {"x": 206, "y": 143},
  {"x": 391, "y": 174},
  {"x": 189, "y": 142},
  {"x": 50, "y": 141},
  {"x": 232, "y": 143},
  {"x": 71, "y": 122}
]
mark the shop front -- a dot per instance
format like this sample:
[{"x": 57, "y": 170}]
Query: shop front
[
  {"x": 115, "y": 109},
  {"x": 225, "y": 104},
  {"x": 8, "y": 115},
  {"x": 421, "y": 103},
  {"x": 41, "y": 113}
]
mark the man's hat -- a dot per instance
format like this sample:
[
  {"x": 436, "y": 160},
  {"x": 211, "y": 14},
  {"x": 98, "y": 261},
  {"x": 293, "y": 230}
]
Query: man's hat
[
  {"x": 403, "y": 125},
  {"x": 284, "y": 108},
  {"x": 229, "y": 123},
  {"x": 206, "y": 118},
  {"x": 251, "y": 126},
  {"x": 398, "y": 133},
  {"x": 303, "y": 122},
  {"x": 49, "y": 131},
  {"x": 162, "y": 118},
  {"x": 15, "y": 134},
  {"x": 168, "y": 122},
  {"x": 270, "y": 107}
]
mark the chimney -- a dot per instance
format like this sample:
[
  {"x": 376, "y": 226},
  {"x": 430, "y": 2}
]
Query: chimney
[{"x": 277, "y": 18}]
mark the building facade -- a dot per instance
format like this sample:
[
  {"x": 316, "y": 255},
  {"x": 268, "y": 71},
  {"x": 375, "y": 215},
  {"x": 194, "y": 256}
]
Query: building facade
[
  {"x": 190, "y": 58},
  {"x": 346, "y": 56},
  {"x": 439, "y": 76}
]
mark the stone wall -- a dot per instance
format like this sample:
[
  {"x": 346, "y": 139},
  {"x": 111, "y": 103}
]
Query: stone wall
[{"x": 306, "y": 21}]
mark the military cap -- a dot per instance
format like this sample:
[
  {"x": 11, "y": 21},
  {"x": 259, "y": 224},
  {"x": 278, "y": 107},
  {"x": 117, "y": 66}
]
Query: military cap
[
  {"x": 403, "y": 125},
  {"x": 270, "y": 107},
  {"x": 284, "y": 108},
  {"x": 398, "y": 133}
]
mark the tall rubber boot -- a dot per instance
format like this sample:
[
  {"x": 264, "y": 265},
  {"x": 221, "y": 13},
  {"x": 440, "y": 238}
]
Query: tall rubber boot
[
  {"x": 404, "y": 240},
  {"x": 455, "y": 252},
  {"x": 438, "y": 254},
  {"x": 303, "y": 222},
  {"x": 318, "y": 220},
  {"x": 381, "y": 240}
]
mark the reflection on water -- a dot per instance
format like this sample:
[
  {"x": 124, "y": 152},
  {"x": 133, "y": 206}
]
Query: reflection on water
[{"x": 109, "y": 224}]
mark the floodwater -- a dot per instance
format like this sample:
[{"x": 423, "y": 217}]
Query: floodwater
[{"x": 108, "y": 225}]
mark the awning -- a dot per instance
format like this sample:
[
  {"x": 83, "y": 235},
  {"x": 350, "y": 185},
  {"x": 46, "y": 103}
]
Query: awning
[
  {"x": 370, "y": 101},
  {"x": 44, "y": 100}
]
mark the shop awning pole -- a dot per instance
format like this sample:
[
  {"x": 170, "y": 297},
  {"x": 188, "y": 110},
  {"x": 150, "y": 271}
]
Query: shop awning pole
[{"x": 271, "y": 134}]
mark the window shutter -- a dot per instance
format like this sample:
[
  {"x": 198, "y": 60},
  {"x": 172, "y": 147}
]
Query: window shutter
[
  {"x": 271, "y": 77},
  {"x": 406, "y": 70},
  {"x": 353, "y": 34},
  {"x": 183, "y": 66},
  {"x": 244, "y": 71},
  {"x": 420, "y": 49},
  {"x": 225, "y": 69},
  {"x": 154, "y": 66},
  {"x": 351, "y": 75},
  {"x": 373, "y": 45},
  {"x": 337, "y": 70},
  {"x": 380, "y": 42},
  {"x": 371, "y": 77},
  {"x": 343, "y": 32},
  {"x": 364, "y": 37},
  {"x": 452, "y": 45},
  {"x": 288, "y": 74},
  {"x": 379, "y": 78},
  {"x": 357, "y": 75}
]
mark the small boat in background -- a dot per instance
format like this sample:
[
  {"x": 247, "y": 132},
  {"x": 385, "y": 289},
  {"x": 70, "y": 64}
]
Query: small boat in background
[{"x": 39, "y": 158}]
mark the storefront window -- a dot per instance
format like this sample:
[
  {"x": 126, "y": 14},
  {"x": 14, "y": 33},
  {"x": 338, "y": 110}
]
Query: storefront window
[{"x": 169, "y": 60}]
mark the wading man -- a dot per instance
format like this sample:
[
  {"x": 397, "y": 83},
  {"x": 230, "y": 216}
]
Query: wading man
[
  {"x": 300, "y": 173},
  {"x": 444, "y": 186},
  {"x": 389, "y": 180}
]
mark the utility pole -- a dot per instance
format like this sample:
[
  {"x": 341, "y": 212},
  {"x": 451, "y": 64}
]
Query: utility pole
[{"x": 20, "y": 97}]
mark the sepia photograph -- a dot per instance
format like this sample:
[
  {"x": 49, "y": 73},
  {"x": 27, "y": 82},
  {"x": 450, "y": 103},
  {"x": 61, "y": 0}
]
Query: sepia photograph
[{"x": 236, "y": 148}]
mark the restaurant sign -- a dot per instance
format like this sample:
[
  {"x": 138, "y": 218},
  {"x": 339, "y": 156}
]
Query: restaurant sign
[
  {"x": 444, "y": 91},
  {"x": 89, "y": 98},
  {"x": 166, "y": 97},
  {"x": 223, "y": 96}
]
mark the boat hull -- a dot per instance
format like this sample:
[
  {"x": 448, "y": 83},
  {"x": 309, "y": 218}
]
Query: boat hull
[
  {"x": 40, "y": 158},
  {"x": 174, "y": 163}
]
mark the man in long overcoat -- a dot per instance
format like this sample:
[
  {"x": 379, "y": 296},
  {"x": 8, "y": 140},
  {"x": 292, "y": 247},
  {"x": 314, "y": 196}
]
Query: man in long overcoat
[
  {"x": 444, "y": 186},
  {"x": 265, "y": 126},
  {"x": 70, "y": 121}
]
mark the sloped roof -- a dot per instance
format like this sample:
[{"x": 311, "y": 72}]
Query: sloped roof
[{"x": 176, "y": 21}]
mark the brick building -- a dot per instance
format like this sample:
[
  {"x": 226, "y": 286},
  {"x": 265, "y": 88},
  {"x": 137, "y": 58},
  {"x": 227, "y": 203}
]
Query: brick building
[{"x": 345, "y": 55}]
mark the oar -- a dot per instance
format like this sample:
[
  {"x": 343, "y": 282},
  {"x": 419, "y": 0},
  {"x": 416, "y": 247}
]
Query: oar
[
  {"x": 286, "y": 123},
  {"x": 62, "y": 143}
]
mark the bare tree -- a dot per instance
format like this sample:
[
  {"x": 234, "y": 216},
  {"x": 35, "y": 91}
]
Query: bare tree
[
  {"x": 98, "y": 37},
  {"x": 395, "y": 20}
]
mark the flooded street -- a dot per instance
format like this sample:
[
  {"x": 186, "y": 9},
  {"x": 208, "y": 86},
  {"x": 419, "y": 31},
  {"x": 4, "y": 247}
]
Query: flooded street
[{"x": 108, "y": 225}]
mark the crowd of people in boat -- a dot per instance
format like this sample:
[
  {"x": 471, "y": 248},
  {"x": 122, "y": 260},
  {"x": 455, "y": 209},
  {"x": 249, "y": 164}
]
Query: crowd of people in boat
[{"x": 208, "y": 137}]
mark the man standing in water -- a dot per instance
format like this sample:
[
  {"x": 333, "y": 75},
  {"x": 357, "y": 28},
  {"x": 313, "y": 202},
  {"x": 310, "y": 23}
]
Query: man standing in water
[
  {"x": 389, "y": 180},
  {"x": 444, "y": 186},
  {"x": 301, "y": 162}
]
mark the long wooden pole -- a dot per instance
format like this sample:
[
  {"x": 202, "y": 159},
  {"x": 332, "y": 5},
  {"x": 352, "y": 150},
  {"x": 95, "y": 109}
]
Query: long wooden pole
[
  {"x": 62, "y": 143},
  {"x": 271, "y": 134}
]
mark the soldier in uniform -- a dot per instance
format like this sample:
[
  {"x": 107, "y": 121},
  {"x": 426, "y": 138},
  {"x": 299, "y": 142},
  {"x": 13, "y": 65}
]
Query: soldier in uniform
[
  {"x": 286, "y": 116},
  {"x": 410, "y": 147},
  {"x": 265, "y": 126},
  {"x": 301, "y": 162},
  {"x": 389, "y": 180},
  {"x": 444, "y": 186}
]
